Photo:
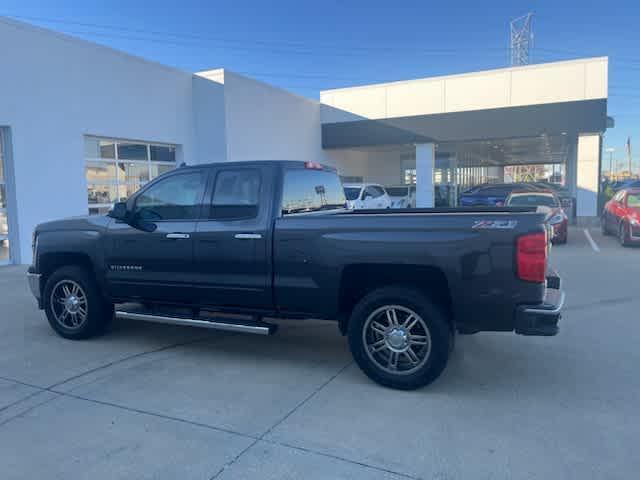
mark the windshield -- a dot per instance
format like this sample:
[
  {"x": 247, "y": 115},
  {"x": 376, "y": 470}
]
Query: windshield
[
  {"x": 633, "y": 200},
  {"x": 397, "y": 191},
  {"x": 533, "y": 201},
  {"x": 351, "y": 192}
]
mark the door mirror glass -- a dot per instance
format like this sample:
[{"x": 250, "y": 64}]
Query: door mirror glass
[{"x": 119, "y": 211}]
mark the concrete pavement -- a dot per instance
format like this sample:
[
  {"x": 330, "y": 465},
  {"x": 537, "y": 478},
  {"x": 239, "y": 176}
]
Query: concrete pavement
[{"x": 155, "y": 401}]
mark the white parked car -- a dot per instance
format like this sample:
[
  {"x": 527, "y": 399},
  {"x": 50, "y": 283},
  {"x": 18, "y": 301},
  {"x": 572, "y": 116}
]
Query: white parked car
[
  {"x": 402, "y": 196},
  {"x": 366, "y": 196}
]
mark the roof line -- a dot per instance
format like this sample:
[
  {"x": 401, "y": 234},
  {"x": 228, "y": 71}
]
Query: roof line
[
  {"x": 87, "y": 43},
  {"x": 466, "y": 74}
]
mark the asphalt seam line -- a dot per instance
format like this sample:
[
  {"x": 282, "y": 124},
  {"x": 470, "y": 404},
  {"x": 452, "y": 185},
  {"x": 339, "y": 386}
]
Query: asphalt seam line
[
  {"x": 256, "y": 439},
  {"x": 291, "y": 412},
  {"x": 593, "y": 244},
  {"x": 51, "y": 388},
  {"x": 124, "y": 359}
]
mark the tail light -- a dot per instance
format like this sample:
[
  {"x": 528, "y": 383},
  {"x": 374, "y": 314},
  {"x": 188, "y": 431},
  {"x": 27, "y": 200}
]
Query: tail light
[
  {"x": 532, "y": 257},
  {"x": 313, "y": 165}
]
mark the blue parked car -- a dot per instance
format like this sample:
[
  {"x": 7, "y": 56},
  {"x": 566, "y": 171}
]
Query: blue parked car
[
  {"x": 492, "y": 195},
  {"x": 626, "y": 184}
]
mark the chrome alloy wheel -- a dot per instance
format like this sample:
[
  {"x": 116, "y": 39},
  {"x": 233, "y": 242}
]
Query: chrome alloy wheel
[
  {"x": 396, "y": 339},
  {"x": 69, "y": 304}
]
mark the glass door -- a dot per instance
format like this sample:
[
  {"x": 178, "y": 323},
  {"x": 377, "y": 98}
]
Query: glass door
[{"x": 4, "y": 222}]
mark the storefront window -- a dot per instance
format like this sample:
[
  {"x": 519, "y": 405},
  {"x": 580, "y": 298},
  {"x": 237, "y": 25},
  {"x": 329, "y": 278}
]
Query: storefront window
[
  {"x": 410, "y": 176},
  {"x": 4, "y": 220},
  {"x": 115, "y": 169}
]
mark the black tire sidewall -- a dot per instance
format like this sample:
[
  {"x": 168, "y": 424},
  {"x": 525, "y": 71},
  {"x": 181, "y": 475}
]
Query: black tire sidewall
[
  {"x": 622, "y": 234},
  {"x": 99, "y": 312},
  {"x": 439, "y": 331}
]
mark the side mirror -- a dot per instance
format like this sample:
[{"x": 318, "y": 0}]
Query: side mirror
[{"x": 119, "y": 211}]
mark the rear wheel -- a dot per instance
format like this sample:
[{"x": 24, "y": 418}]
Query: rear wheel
[
  {"x": 624, "y": 234},
  {"x": 563, "y": 239},
  {"x": 399, "y": 338},
  {"x": 603, "y": 226},
  {"x": 74, "y": 307}
]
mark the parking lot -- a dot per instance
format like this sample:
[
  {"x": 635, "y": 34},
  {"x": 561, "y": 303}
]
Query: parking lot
[{"x": 154, "y": 401}]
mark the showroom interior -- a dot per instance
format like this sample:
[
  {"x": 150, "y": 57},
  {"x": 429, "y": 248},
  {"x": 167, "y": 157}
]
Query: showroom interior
[{"x": 83, "y": 126}]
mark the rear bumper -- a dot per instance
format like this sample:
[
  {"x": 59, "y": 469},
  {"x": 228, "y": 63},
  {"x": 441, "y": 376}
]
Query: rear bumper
[{"x": 542, "y": 319}]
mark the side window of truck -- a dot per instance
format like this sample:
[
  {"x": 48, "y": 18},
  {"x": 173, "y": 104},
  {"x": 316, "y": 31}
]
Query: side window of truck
[
  {"x": 311, "y": 190},
  {"x": 177, "y": 197},
  {"x": 236, "y": 194}
]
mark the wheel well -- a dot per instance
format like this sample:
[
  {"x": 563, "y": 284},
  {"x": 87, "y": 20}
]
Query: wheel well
[
  {"x": 358, "y": 280},
  {"x": 50, "y": 262}
]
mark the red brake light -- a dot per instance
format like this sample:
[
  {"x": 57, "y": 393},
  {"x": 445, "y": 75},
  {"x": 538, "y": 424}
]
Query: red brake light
[
  {"x": 313, "y": 165},
  {"x": 532, "y": 257}
]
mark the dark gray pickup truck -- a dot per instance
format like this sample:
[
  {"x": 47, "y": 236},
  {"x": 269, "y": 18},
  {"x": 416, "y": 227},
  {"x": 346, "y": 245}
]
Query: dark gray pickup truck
[{"x": 227, "y": 245}]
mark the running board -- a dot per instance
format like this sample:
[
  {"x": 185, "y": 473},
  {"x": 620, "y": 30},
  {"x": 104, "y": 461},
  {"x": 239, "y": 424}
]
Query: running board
[{"x": 259, "y": 328}]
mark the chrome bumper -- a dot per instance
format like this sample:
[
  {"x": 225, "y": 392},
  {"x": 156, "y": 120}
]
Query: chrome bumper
[{"x": 34, "y": 284}]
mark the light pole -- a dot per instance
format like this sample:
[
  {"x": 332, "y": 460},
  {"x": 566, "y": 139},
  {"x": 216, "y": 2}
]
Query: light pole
[{"x": 610, "y": 151}]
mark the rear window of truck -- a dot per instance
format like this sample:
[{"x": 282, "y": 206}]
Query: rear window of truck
[{"x": 311, "y": 190}]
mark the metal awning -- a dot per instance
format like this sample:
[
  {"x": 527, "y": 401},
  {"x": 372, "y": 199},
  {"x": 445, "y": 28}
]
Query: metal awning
[{"x": 552, "y": 120}]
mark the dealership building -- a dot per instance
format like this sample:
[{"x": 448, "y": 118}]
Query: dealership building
[{"x": 82, "y": 126}]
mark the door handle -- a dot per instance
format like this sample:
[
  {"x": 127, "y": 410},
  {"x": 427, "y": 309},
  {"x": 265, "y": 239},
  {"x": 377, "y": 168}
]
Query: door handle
[
  {"x": 177, "y": 235},
  {"x": 248, "y": 236}
]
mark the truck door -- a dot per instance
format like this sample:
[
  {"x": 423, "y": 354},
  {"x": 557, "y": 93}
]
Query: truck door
[
  {"x": 232, "y": 245},
  {"x": 153, "y": 257}
]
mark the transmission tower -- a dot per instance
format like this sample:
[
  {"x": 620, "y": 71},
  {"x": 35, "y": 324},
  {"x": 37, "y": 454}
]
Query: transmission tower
[{"x": 521, "y": 39}]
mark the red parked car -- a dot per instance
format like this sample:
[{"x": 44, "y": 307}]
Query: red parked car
[
  {"x": 547, "y": 201},
  {"x": 621, "y": 216}
]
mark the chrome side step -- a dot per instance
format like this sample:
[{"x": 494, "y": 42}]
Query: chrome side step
[{"x": 259, "y": 328}]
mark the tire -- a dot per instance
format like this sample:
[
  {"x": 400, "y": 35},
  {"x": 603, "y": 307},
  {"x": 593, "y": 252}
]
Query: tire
[
  {"x": 623, "y": 235},
  {"x": 603, "y": 226},
  {"x": 430, "y": 332},
  {"x": 562, "y": 240},
  {"x": 79, "y": 291}
]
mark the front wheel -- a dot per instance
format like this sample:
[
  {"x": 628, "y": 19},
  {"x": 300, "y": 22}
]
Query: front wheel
[
  {"x": 74, "y": 307},
  {"x": 399, "y": 338},
  {"x": 603, "y": 226}
]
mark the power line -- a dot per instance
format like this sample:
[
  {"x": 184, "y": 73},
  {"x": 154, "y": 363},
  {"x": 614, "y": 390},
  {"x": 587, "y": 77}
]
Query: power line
[
  {"x": 224, "y": 40},
  {"x": 285, "y": 45}
]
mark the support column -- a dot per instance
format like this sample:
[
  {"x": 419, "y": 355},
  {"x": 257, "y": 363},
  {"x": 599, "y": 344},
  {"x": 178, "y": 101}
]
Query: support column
[
  {"x": 588, "y": 176},
  {"x": 570, "y": 168},
  {"x": 425, "y": 161},
  {"x": 496, "y": 173}
]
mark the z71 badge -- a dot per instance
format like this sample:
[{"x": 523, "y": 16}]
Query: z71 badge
[{"x": 495, "y": 224}]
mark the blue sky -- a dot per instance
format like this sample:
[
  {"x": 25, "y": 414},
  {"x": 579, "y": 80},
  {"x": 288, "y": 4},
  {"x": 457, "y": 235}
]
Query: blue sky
[{"x": 309, "y": 46}]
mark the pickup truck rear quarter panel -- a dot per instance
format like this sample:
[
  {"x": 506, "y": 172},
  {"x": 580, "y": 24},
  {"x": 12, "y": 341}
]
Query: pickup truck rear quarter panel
[{"x": 312, "y": 251}]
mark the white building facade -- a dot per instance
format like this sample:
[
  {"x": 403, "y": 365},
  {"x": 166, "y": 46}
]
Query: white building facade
[{"x": 82, "y": 126}]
